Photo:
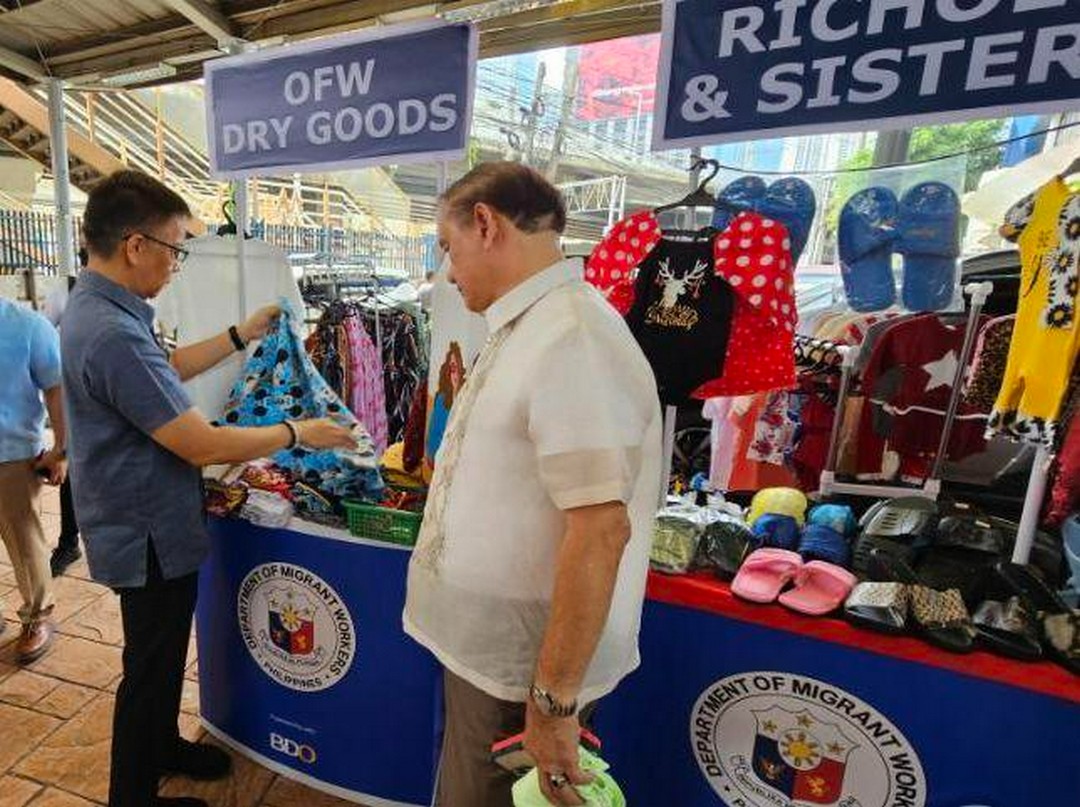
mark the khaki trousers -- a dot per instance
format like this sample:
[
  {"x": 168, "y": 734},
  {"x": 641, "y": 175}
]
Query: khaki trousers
[
  {"x": 474, "y": 722},
  {"x": 24, "y": 537}
]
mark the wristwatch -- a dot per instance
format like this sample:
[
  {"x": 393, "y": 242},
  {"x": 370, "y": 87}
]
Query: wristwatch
[{"x": 549, "y": 706}]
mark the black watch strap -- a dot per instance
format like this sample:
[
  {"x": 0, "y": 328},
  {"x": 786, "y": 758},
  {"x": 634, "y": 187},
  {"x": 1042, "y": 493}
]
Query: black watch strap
[{"x": 234, "y": 334}]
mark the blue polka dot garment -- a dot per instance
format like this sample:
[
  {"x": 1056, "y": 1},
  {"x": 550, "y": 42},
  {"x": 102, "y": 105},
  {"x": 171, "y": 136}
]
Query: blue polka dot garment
[{"x": 280, "y": 382}]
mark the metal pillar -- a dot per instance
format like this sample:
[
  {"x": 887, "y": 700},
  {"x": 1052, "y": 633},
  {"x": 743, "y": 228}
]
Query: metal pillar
[
  {"x": 241, "y": 214},
  {"x": 65, "y": 237}
]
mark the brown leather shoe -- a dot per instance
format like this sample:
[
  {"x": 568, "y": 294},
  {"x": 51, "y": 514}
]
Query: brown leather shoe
[{"x": 34, "y": 641}]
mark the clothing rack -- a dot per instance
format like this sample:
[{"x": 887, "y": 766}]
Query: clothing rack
[{"x": 931, "y": 487}]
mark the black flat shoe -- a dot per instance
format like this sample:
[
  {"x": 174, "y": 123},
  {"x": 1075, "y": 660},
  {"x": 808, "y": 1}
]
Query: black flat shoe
[
  {"x": 199, "y": 761},
  {"x": 179, "y": 801},
  {"x": 939, "y": 617}
]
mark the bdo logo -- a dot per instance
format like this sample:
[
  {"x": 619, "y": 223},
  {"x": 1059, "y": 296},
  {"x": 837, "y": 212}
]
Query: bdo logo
[{"x": 291, "y": 748}]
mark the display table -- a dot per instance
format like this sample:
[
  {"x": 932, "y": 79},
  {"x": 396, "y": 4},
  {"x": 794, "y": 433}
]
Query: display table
[
  {"x": 756, "y": 706},
  {"x": 304, "y": 667}
]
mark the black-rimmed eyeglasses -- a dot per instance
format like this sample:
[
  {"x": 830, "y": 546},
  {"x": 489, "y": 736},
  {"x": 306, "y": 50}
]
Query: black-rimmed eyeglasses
[{"x": 180, "y": 253}]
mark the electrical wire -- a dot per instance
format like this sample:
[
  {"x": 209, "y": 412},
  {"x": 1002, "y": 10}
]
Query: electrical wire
[{"x": 909, "y": 163}]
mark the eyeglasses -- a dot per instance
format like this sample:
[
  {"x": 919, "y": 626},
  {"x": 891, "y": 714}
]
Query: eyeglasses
[{"x": 179, "y": 253}]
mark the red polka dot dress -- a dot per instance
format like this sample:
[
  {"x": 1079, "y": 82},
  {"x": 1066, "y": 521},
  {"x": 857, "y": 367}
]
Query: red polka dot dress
[{"x": 754, "y": 256}]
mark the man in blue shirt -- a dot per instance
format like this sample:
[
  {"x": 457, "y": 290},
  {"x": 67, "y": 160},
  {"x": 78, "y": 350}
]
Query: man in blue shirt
[
  {"x": 30, "y": 369},
  {"x": 136, "y": 448}
]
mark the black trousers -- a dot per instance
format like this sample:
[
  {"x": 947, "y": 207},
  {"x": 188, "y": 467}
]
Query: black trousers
[
  {"x": 157, "y": 626},
  {"x": 69, "y": 527}
]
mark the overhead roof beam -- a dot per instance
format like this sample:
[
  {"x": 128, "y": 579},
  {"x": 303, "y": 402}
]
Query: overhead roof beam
[
  {"x": 22, "y": 65},
  {"x": 208, "y": 17}
]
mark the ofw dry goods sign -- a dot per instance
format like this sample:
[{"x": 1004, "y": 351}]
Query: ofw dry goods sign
[
  {"x": 399, "y": 94},
  {"x": 742, "y": 69}
]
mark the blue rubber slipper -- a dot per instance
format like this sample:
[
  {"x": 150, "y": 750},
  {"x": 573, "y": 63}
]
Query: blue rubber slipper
[
  {"x": 866, "y": 236},
  {"x": 745, "y": 193},
  {"x": 791, "y": 202},
  {"x": 822, "y": 542},
  {"x": 930, "y": 243},
  {"x": 772, "y": 530}
]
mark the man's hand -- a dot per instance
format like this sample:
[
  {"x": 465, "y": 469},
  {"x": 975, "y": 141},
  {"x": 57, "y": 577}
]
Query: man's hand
[
  {"x": 553, "y": 743},
  {"x": 324, "y": 433},
  {"x": 259, "y": 323},
  {"x": 55, "y": 464}
]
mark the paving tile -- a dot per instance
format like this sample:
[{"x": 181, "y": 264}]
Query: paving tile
[
  {"x": 99, "y": 621},
  {"x": 73, "y": 595},
  {"x": 189, "y": 701},
  {"x": 15, "y": 792},
  {"x": 23, "y": 731},
  {"x": 191, "y": 727},
  {"x": 287, "y": 793},
  {"x": 25, "y": 688},
  {"x": 66, "y": 700},
  {"x": 79, "y": 661},
  {"x": 52, "y": 797},
  {"x": 76, "y": 757},
  {"x": 245, "y": 787}
]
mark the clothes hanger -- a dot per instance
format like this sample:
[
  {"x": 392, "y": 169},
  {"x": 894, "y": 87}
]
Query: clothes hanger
[
  {"x": 228, "y": 210},
  {"x": 229, "y": 227},
  {"x": 700, "y": 196}
]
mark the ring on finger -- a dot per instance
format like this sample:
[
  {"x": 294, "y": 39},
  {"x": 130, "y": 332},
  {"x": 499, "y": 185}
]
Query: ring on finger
[{"x": 558, "y": 780}]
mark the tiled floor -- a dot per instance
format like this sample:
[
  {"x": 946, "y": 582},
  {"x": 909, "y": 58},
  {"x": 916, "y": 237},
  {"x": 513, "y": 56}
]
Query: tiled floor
[{"x": 55, "y": 714}]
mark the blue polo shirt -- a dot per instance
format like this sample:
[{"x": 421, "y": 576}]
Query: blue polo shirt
[
  {"x": 118, "y": 389},
  {"x": 29, "y": 365}
]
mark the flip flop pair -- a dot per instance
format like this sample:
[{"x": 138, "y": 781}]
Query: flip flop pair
[
  {"x": 816, "y": 588},
  {"x": 923, "y": 226}
]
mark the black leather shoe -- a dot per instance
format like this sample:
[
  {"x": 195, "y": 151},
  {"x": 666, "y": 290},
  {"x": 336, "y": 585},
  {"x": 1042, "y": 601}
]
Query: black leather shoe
[
  {"x": 199, "y": 761},
  {"x": 62, "y": 558},
  {"x": 179, "y": 801}
]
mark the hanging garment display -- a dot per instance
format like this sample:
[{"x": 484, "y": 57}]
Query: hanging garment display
[
  {"x": 1046, "y": 337},
  {"x": 1065, "y": 492},
  {"x": 378, "y": 387},
  {"x": 752, "y": 256},
  {"x": 681, "y": 315},
  {"x": 204, "y": 300},
  {"x": 988, "y": 365},
  {"x": 404, "y": 360},
  {"x": 279, "y": 383},
  {"x": 908, "y": 384},
  {"x": 367, "y": 393}
]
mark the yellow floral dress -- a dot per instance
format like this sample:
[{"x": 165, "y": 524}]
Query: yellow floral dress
[{"x": 1046, "y": 339}]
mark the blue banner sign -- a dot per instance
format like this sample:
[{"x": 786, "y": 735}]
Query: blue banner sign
[
  {"x": 735, "y": 70},
  {"x": 399, "y": 94}
]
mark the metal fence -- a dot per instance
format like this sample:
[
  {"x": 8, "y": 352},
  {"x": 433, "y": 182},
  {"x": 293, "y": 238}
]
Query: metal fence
[{"x": 28, "y": 244}]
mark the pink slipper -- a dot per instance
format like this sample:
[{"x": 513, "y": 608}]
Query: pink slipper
[
  {"x": 820, "y": 587},
  {"x": 764, "y": 574}
]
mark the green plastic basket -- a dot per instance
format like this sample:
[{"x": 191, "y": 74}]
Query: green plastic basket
[{"x": 382, "y": 524}]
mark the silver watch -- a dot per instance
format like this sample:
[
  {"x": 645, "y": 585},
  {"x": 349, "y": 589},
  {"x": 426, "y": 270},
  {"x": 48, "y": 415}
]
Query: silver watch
[{"x": 549, "y": 706}]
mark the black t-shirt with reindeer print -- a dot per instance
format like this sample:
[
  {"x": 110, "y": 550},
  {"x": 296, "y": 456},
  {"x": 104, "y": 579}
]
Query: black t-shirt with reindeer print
[{"x": 682, "y": 314}]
